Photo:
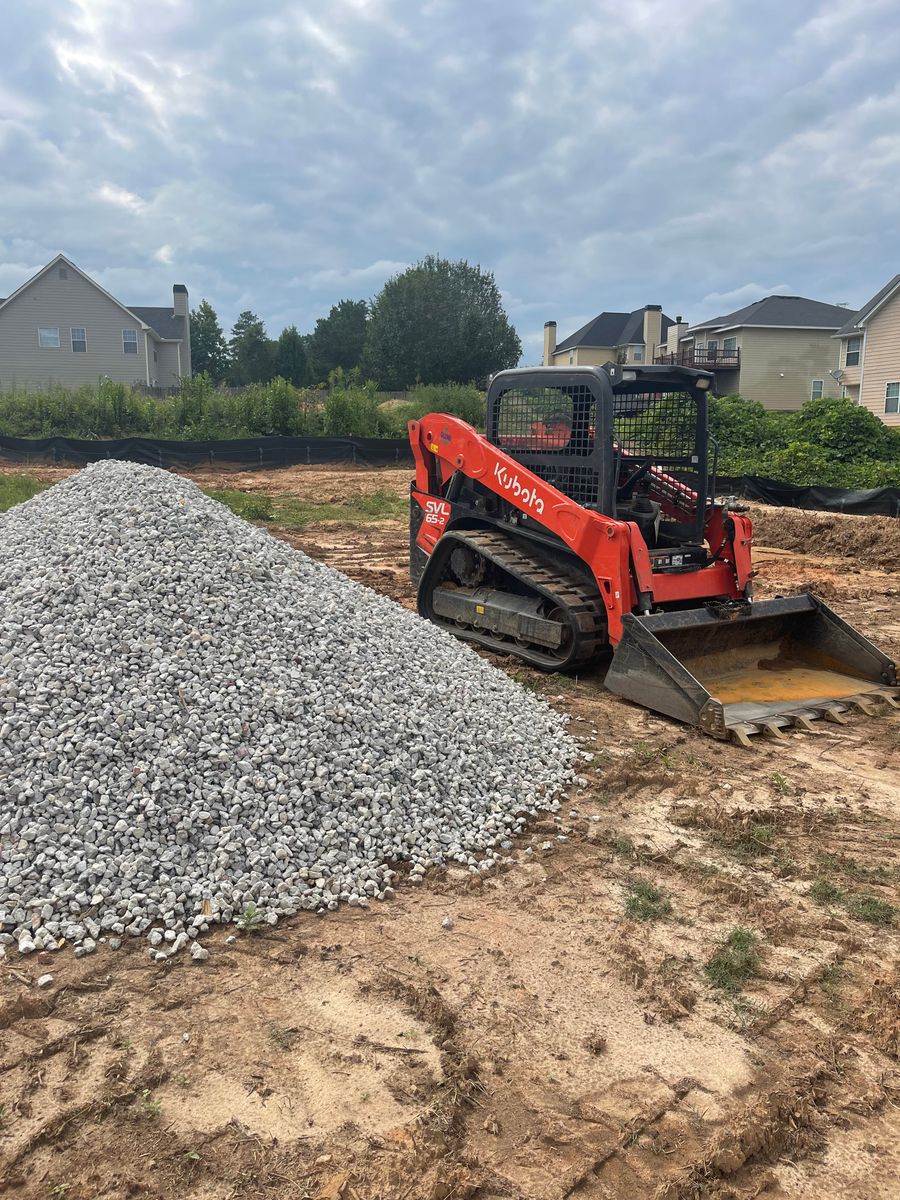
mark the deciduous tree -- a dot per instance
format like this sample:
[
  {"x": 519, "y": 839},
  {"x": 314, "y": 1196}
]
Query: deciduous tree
[{"x": 439, "y": 322}]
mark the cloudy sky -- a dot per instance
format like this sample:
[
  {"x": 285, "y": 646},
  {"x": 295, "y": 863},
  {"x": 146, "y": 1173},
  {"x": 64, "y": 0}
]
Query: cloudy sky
[{"x": 595, "y": 154}]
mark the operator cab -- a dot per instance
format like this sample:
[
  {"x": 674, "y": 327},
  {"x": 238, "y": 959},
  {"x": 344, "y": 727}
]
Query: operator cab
[{"x": 627, "y": 441}]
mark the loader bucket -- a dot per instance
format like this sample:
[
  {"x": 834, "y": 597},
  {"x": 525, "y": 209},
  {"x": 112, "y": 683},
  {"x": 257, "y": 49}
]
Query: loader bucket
[{"x": 762, "y": 667}]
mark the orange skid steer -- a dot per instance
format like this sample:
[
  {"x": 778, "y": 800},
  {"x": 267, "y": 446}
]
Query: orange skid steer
[{"x": 586, "y": 521}]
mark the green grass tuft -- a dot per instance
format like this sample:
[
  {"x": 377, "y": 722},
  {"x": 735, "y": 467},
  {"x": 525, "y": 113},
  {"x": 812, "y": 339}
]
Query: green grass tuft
[
  {"x": 736, "y": 961},
  {"x": 623, "y": 846},
  {"x": 823, "y": 891},
  {"x": 646, "y": 902},
  {"x": 871, "y": 909}
]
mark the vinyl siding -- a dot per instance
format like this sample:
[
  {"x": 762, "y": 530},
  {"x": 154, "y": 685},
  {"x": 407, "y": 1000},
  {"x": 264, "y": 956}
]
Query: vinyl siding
[
  {"x": 165, "y": 369},
  {"x": 51, "y": 301},
  {"x": 778, "y": 365},
  {"x": 585, "y": 356},
  {"x": 882, "y": 362}
]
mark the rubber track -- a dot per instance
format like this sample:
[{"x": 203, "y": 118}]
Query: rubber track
[{"x": 566, "y": 589}]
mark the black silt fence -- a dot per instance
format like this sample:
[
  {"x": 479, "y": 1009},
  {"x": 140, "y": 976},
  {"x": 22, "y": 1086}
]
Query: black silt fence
[
  {"x": 260, "y": 453},
  {"x": 872, "y": 502},
  {"x": 248, "y": 453}
]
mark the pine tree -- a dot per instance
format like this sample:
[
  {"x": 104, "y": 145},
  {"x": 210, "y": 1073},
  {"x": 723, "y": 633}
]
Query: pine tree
[
  {"x": 209, "y": 350},
  {"x": 338, "y": 339},
  {"x": 290, "y": 357},
  {"x": 252, "y": 354}
]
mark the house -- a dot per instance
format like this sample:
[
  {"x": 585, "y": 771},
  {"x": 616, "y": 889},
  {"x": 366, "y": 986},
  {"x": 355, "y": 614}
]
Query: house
[
  {"x": 61, "y": 327},
  {"x": 610, "y": 337},
  {"x": 869, "y": 356},
  {"x": 778, "y": 350}
]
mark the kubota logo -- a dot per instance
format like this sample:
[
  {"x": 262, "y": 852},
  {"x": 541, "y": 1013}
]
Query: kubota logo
[
  {"x": 437, "y": 512},
  {"x": 511, "y": 483}
]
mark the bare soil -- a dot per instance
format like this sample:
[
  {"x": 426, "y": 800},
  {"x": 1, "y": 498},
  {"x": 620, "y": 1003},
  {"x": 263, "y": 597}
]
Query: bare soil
[{"x": 548, "y": 1045}]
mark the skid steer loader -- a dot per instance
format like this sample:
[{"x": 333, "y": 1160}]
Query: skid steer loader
[{"x": 585, "y": 522}]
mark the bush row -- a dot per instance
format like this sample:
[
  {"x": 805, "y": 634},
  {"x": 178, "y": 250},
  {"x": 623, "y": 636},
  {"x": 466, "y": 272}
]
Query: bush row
[
  {"x": 827, "y": 442},
  {"x": 200, "y": 411}
]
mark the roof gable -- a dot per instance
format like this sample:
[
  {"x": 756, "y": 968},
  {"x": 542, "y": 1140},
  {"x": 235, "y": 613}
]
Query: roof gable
[
  {"x": 870, "y": 308},
  {"x": 788, "y": 312},
  {"x": 611, "y": 329},
  {"x": 61, "y": 259}
]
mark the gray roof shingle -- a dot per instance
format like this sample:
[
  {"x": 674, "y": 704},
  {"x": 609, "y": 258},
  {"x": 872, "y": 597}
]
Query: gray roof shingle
[
  {"x": 786, "y": 311},
  {"x": 853, "y": 323},
  {"x": 612, "y": 329},
  {"x": 162, "y": 320}
]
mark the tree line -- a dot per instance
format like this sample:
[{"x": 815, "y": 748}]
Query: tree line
[{"x": 437, "y": 322}]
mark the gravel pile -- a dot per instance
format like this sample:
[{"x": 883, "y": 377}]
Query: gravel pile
[{"x": 199, "y": 725}]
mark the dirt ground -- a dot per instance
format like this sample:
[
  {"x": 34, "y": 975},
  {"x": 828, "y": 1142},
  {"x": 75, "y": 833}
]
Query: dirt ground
[{"x": 548, "y": 1045}]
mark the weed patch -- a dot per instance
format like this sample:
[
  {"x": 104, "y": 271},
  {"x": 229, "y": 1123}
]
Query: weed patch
[
  {"x": 871, "y": 909},
  {"x": 736, "y": 961},
  {"x": 823, "y": 891},
  {"x": 645, "y": 902}
]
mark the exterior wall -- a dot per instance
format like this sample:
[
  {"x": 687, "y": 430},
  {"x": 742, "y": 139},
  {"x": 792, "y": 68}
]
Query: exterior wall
[
  {"x": 881, "y": 365},
  {"x": 778, "y": 365},
  {"x": 51, "y": 301},
  {"x": 164, "y": 369},
  {"x": 728, "y": 382},
  {"x": 585, "y": 356}
]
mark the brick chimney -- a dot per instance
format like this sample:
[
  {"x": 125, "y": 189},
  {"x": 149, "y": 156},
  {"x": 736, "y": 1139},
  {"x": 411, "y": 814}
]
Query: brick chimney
[
  {"x": 549, "y": 342},
  {"x": 652, "y": 330}
]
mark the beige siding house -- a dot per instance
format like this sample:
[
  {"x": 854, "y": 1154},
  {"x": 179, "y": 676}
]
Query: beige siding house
[
  {"x": 634, "y": 337},
  {"x": 869, "y": 355},
  {"x": 779, "y": 350},
  {"x": 60, "y": 327}
]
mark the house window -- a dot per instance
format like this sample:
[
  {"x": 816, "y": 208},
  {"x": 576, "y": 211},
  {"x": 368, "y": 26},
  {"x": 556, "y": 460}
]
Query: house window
[
  {"x": 845, "y": 394},
  {"x": 129, "y": 341},
  {"x": 638, "y": 354},
  {"x": 63, "y": 273},
  {"x": 48, "y": 337},
  {"x": 853, "y": 346},
  {"x": 892, "y": 398},
  {"x": 730, "y": 344},
  {"x": 713, "y": 345},
  {"x": 79, "y": 339},
  {"x": 571, "y": 357},
  {"x": 818, "y": 387}
]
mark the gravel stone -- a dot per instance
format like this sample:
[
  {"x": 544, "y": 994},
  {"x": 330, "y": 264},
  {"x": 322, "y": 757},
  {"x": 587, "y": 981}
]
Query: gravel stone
[
  {"x": 196, "y": 718},
  {"x": 44, "y": 981}
]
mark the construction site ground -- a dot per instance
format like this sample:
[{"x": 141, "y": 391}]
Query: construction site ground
[{"x": 565, "y": 1036}]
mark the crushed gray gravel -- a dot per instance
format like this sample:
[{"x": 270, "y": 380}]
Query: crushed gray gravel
[{"x": 198, "y": 723}]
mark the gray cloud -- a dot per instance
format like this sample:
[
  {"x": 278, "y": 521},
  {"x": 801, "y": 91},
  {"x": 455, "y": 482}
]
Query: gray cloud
[{"x": 594, "y": 154}]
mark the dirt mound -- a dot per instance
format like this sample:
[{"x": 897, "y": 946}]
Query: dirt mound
[{"x": 871, "y": 542}]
